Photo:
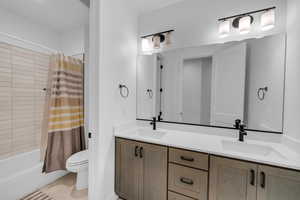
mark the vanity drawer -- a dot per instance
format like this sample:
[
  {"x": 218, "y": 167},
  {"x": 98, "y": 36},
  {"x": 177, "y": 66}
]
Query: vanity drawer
[
  {"x": 175, "y": 196},
  {"x": 188, "y": 181},
  {"x": 189, "y": 158}
]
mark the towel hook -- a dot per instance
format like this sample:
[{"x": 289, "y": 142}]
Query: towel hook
[
  {"x": 124, "y": 91},
  {"x": 261, "y": 93}
]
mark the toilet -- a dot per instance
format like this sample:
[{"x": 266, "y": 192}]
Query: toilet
[{"x": 78, "y": 163}]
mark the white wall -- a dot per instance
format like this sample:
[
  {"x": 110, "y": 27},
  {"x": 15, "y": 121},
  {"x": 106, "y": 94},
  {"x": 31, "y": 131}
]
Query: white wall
[
  {"x": 73, "y": 41},
  {"x": 292, "y": 97},
  {"x": 114, "y": 39},
  {"x": 12, "y": 23},
  {"x": 195, "y": 21},
  {"x": 69, "y": 42}
]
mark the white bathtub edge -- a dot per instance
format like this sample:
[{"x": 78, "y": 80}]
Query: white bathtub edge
[{"x": 26, "y": 182}]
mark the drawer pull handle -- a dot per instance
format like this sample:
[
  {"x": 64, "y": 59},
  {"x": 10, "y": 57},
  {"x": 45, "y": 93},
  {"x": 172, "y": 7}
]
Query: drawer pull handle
[
  {"x": 263, "y": 180},
  {"x": 252, "y": 182},
  {"x": 186, "y": 181},
  {"x": 187, "y": 159},
  {"x": 141, "y": 152},
  {"x": 136, "y": 151}
]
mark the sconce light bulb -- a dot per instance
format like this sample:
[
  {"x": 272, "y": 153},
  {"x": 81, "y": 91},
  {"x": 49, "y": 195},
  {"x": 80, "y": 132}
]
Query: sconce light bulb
[
  {"x": 156, "y": 41},
  {"x": 245, "y": 25},
  {"x": 146, "y": 44},
  {"x": 224, "y": 28},
  {"x": 268, "y": 20}
]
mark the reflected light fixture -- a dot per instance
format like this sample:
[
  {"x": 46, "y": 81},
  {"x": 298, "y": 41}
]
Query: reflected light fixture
[
  {"x": 224, "y": 28},
  {"x": 245, "y": 24},
  {"x": 157, "y": 40},
  {"x": 168, "y": 40},
  {"x": 268, "y": 20}
]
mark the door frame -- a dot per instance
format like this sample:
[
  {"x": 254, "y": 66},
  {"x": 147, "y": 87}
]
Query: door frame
[{"x": 181, "y": 77}]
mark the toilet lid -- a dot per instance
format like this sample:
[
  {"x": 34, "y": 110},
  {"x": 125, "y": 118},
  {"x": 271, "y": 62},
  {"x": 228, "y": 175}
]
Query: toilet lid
[{"x": 78, "y": 158}]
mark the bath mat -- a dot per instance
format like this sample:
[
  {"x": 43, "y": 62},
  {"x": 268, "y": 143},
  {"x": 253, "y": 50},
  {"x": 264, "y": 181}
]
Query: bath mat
[{"x": 38, "y": 195}]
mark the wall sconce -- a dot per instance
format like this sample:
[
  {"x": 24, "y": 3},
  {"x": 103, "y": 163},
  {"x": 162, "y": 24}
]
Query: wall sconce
[
  {"x": 155, "y": 41},
  {"x": 243, "y": 21},
  {"x": 268, "y": 20}
]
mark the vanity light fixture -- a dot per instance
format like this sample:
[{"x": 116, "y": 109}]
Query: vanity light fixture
[
  {"x": 243, "y": 21},
  {"x": 154, "y": 41},
  {"x": 268, "y": 20},
  {"x": 224, "y": 28}
]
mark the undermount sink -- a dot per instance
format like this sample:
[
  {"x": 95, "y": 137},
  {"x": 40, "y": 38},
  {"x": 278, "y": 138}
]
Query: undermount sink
[
  {"x": 253, "y": 149},
  {"x": 147, "y": 133}
]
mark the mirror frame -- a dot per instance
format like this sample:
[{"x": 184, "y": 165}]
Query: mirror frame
[{"x": 224, "y": 127}]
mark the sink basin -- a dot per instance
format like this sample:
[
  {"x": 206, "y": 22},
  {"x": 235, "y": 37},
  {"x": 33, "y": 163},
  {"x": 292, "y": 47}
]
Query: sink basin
[
  {"x": 146, "y": 133},
  {"x": 254, "y": 149}
]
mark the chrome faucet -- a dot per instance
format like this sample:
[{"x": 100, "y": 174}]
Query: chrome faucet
[
  {"x": 242, "y": 133},
  {"x": 241, "y": 127},
  {"x": 153, "y": 123}
]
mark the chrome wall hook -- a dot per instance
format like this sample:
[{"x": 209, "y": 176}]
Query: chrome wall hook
[
  {"x": 261, "y": 93},
  {"x": 124, "y": 91}
]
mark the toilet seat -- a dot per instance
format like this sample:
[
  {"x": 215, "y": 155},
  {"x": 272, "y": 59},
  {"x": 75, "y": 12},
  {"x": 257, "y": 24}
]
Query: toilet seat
[{"x": 78, "y": 159}]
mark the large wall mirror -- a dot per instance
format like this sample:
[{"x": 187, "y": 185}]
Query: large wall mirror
[{"x": 214, "y": 85}]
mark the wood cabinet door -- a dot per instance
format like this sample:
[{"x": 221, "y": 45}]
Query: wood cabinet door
[
  {"x": 128, "y": 166},
  {"x": 232, "y": 179},
  {"x": 155, "y": 170},
  {"x": 278, "y": 184}
]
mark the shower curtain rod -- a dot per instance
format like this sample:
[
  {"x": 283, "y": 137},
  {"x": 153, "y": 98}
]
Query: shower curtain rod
[{"x": 29, "y": 42}]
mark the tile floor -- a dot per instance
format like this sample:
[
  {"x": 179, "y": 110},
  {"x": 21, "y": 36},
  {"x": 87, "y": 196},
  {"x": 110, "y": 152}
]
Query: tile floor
[{"x": 64, "y": 189}]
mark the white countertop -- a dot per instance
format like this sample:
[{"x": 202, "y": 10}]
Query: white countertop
[{"x": 271, "y": 153}]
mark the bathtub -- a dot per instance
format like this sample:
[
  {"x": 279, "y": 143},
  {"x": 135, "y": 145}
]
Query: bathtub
[{"x": 22, "y": 174}]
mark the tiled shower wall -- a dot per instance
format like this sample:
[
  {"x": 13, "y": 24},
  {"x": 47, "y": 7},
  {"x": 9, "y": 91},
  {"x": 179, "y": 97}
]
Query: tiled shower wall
[{"x": 23, "y": 75}]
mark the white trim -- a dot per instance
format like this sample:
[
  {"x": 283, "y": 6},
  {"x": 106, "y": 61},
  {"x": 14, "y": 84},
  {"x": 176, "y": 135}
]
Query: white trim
[{"x": 28, "y": 42}]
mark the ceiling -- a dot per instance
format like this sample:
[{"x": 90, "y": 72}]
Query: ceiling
[
  {"x": 64, "y": 15},
  {"x": 59, "y": 15},
  {"x": 145, "y": 6}
]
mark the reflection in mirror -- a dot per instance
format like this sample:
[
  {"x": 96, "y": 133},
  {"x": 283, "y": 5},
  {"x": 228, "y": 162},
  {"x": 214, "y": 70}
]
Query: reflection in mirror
[{"x": 214, "y": 85}]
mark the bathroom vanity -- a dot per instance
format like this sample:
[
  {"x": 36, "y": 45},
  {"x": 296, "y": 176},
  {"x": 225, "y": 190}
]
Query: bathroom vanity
[
  {"x": 159, "y": 165},
  {"x": 212, "y": 86}
]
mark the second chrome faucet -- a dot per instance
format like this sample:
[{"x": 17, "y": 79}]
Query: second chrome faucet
[
  {"x": 241, "y": 127},
  {"x": 153, "y": 123}
]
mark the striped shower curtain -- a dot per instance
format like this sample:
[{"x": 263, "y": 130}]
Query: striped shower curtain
[{"x": 64, "y": 132}]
